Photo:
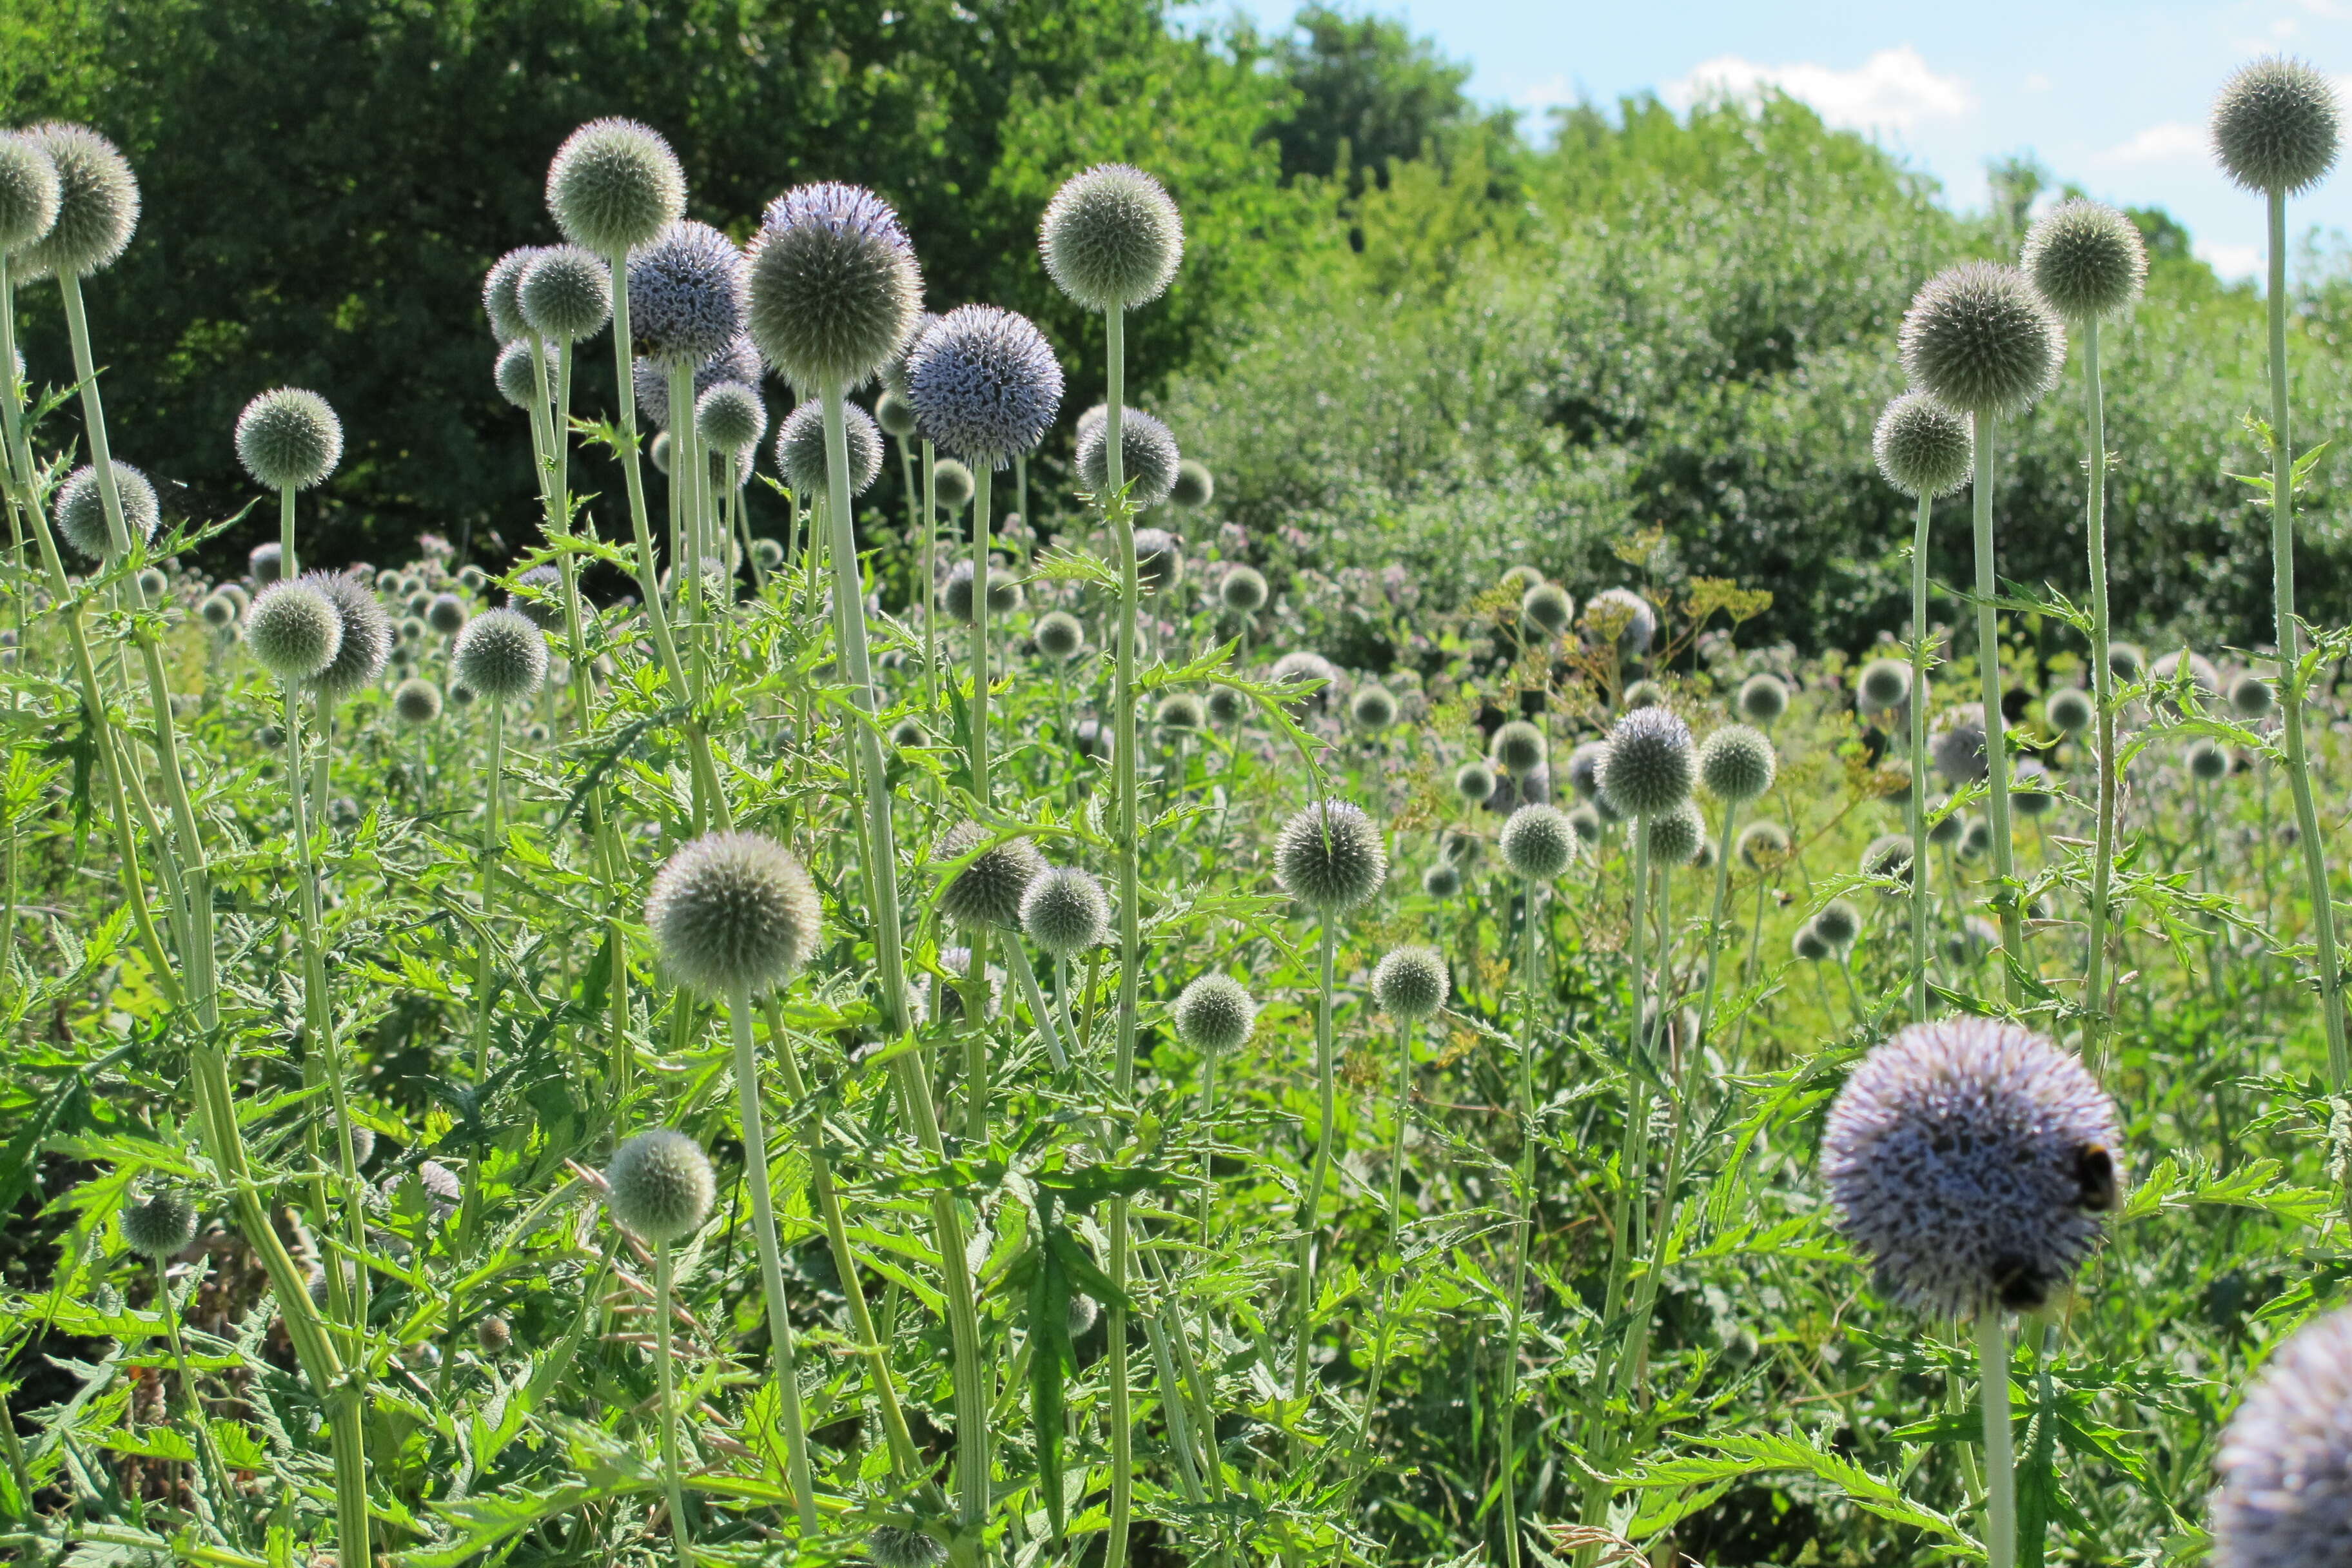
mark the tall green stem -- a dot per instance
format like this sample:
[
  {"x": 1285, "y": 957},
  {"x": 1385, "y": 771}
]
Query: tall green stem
[
  {"x": 2000, "y": 1455},
  {"x": 1327, "y": 1101},
  {"x": 1130, "y": 940},
  {"x": 1996, "y": 725},
  {"x": 1918, "y": 809},
  {"x": 1522, "y": 1221},
  {"x": 2103, "y": 685},
  {"x": 680, "y": 1538},
  {"x": 772, "y": 1266}
]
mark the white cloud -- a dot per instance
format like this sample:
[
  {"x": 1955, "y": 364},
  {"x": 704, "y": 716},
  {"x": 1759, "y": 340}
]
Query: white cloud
[
  {"x": 1893, "y": 90},
  {"x": 2231, "y": 261},
  {"x": 2036, "y": 82},
  {"x": 1555, "y": 91},
  {"x": 2173, "y": 141}
]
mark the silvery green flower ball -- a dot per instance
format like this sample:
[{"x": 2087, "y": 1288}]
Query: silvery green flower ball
[
  {"x": 445, "y": 614},
  {"x": 1518, "y": 748},
  {"x": 834, "y": 285},
  {"x": 500, "y": 655},
  {"x": 984, "y": 384},
  {"x": 1977, "y": 839},
  {"x": 1410, "y": 983},
  {"x": 366, "y": 640},
  {"x": 1181, "y": 711},
  {"x": 1736, "y": 763},
  {"x": 1112, "y": 237},
  {"x": 538, "y": 596},
  {"x": 1059, "y": 634},
  {"x": 2285, "y": 1462},
  {"x": 1547, "y": 608},
  {"x": 988, "y": 891},
  {"x": 1642, "y": 694},
  {"x": 2275, "y": 126},
  {"x": 1838, "y": 922},
  {"x": 1978, "y": 339},
  {"x": 895, "y": 414},
  {"x": 493, "y": 1335},
  {"x": 800, "y": 449},
  {"x": 415, "y": 701},
  {"x": 516, "y": 370},
  {"x": 613, "y": 184},
  {"x": 1584, "y": 768},
  {"x": 1584, "y": 820},
  {"x": 1811, "y": 945},
  {"x": 2030, "y": 791},
  {"x": 894, "y": 369},
  {"x": 1888, "y": 855},
  {"x": 1649, "y": 766},
  {"x": 951, "y": 483},
  {"x": 1957, "y": 745},
  {"x": 1883, "y": 684},
  {"x": 1372, "y": 709},
  {"x": 1159, "y": 559},
  {"x": 98, "y": 203},
  {"x": 266, "y": 563},
  {"x": 730, "y": 419},
  {"x": 160, "y": 1225},
  {"x": 1148, "y": 456},
  {"x": 1763, "y": 844},
  {"x": 660, "y": 1187},
  {"x": 1538, "y": 843},
  {"x": 733, "y": 911},
  {"x": 218, "y": 610},
  {"x": 769, "y": 555},
  {"x": 1214, "y": 1014},
  {"x": 1923, "y": 449},
  {"x": 29, "y": 191},
  {"x": 1194, "y": 486},
  {"x": 2167, "y": 669},
  {"x": 686, "y": 295},
  {"x": 1947, "y": 830},
  {"x": 894, "y": 1546},
  {"x": 2070, "y": 711},
  {"x": 1066, "y": 911},
  {"x": 289, "y": 439},
  {"x": 2125, "y": 660},
  {"x": 1329, "y": 857},
  {"x": 2208, "y": 761},
  {"x": 1636, "y": 622},
  {"x": 1242, "y": 589},
  {"x": 565, "y": 293},
  {"x": 2250, "y": 697},
  {"x": 81, "y": 510},
  {"x": 1442, "y": 879},
  {"x": 955, "y": 598},
  {"x": 1674, "y": 837},
  {"x": 501, "y": 289},
  {"x": 292, "y": 630},
  {"x": 1226, "y": 706},
  {"x": 2086, "y": 258},
  {"x": 1763, "y": 698},
  {"x": 1474, "y": 782},
  {"x": 1303, "y": 667}
]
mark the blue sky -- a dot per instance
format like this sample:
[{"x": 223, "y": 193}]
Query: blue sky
[{"x": 2108, "y": 96}]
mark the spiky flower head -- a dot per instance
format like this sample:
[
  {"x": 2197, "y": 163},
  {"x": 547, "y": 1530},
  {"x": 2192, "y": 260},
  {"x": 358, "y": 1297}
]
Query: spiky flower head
[
  {"x": 292, "y": 630},
  {"x": 955, "y": 598},
  {"x": 1887, "y": 855},
  {"x": 1623, "y": 616},
  {"x": 98, "y": 203},
  {"x": 537, "y": 595},
  {"x": 895, "y": 1546},
  {"x": 515, "y": 372},
  {"x": 660, "y": 1187},
  {"x": 833, "y": 284},
  {"x": 2125, "y": 660},
  {"x": 896, "y": 415},
  {"x": 1329, "y": 857},
  {"x": 1584, "y": 768},
  {"x": 2086, "y": 258},
  {"x": 1736, "y": 763},
  {"x": 501, "y": 655},
  {"x": 1242, "y": 589},
  {"x": 1410, "y": 983},
  {"x": 2169, "y": 668},
  {"x": 1539, "y": 842},
  {"x": 2030, "y": 790},
  {"x": 951, "y": 482},
  {"x": 800, "y": 448},
  {"x": 1474, "y": 782},
  {"x": 1883, "y": 684},
  {"x": 1059, "y": 634},
  {"x": 1642, "y": 694},
  {"x": 730, "y": 419},
  {"x": 366, "y": 640},
  {"x": 1585, "y": 820},
  {"x": 1194, "y": 486},
  {"x": 1181, "y": 711},
  {"x": 1066, "y": 911},
  {"x": 1838, "y": 922},
  {"x": 1811, "y": 945},
  {"x": 1958, "y": 746},
  {"x": 1969, "y": 1159},
  {"x": 1978, "y": 339},
  {"x": 1763, "y": 698},
  {"x": 2250, "y": 697},
  {"x": 265, "y": 562},
  {"x": 1518, "y": 747},
  {"x": 565, "y": 293},
  {"x": 1112, "y": 237},
  {"x": 1674, "y": 837},
  {"x": 160, "y": 1225},
  {"x": 686, "y": 295},
  {"x": 2208, "y": 761},
  {"x": 1373, "y": 709},
  {"x": 733, "y": 913},
  {"x": 987, "y": 892},
  {"x": 1649, "y": 766},
  {"x": 81, "y": 510},
  {"x": 1923, "y": 447},
  {"x": 1215, "y": 1013},
  {"x": 289, "y": 439},
  {"x": 501, "y": 290},
  {"x": 2276, "y": 125},
  {"x": 613, "y": 184},
  {"x": 1159, "y": 559},
  {"x": 2285, "y": 1498},
  {"x": 984, "y": 384},
  {"x": 218, "y": 610},
  {"x": 1304, "y": 667},
  {"x": 445, "y": 614},
  {"x": 415, "y": 701},
  {"x": 30, "y": 192},
  {"x": 1547, "y": 608},
  {"x": 1764, "y": 845},
  {"x": 1226, "y": 706},
  {"x": 1947, "y": 829},
  {"x": 738, "y": 361},
  {"x": 2070, "y": 709},
  {"x": 1147, "y": 455}
]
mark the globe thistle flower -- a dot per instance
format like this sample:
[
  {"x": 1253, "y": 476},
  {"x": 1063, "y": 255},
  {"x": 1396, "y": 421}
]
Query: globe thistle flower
[
  {"x": 416, "y": 702},
  {"x": 1884, "y": 684},
  {"x": 2030, "y": 793},
  {"x": 895, "y": 1546},
  {"x": 1947, "y": 829},
  {"x": 800, "y": 448},
  {"x": 1059, "y": 634},
  {"x": 659, "y": 1187},
  {"x": 1064, "y": 911},
  {"x": 1329, "y": 857},
  {"x": 366, "y": 640},
  {"x": 289, "y": 439},
  {"x": 500, "y": 655},
  {"x": 614, "y": 185},
  {"x": 834, "y": 285},
  {"x": 1649, "y": 769},
  {"x": 1635, "y": 623},
  {"x": 733, "y": 913},
  {"x": 1474, "y": 782},
  {"x": 1975, "y": 838},
  {"x": 516, "y": 370},
  {"x": 687, "y": 289},
  {"x": 493, "y": 1336},
  {"x": 1763, "y": 699},
  {"x": 984, "y": 384},
  {"x": 1194, "y": 486},
  {"x": 460, "y": 694},
  {"x": 2086, "y": 258},
  {"x": 1112, "y": 237},
  {"x": 1242, "y": 589},
  {"x": 1672, "y": 838},
  {"x": 1410, "y": 983},
  {"x": 1441, "y": 879},
  {"x": 1958, "y": 746},
  {"x": 1838, "y": 922},
  {"x": 2208, "y": 761},
  {"x": 538, "y": 596},
  {"x": 218, "y": 610},
  {"x": 988, "y": 890},
  {"x": 1811, "y": 945},
  {"x": 1147, "y": 455},
  {"x": 1159, "y": 559},
  {"x": 1537, "y": 843},
  {"x": 730, "y": 419},
  {"x": 2070, "y": 711},
  {"x": 2276, "y": 125},
  {"x": 29, "y": 193},
  {"x": 1518, "y": 747},
  {"x": 1226, "y": 706},
  {"x": 418, "y": 602},
  {"x": 1584, "y": 769},
  {"x": 159, "y": 1225},
  {"x": 1764, "y": 845},
  {"x": 1980, "y": 340},
  {"x": 2167, "y": 670},
  {"x": 2285, "y": 1498},
  {"x": 1737, "y": 764},
  {"x": 81, "y": 510},
  {"x": 1214, "y": 1014},
  {"x": 1547, "y": 608},
  {"x": 1300, "y": 666},
  {"x": 1584, "y": 821},
  {"x": 445, "y": 614},
  {"x": 293, "y": 630},
  {"x": 1372, "y": 709},
  {"x": 1923, "y": 447},
  {"x": 97, "y": 205},
  {"x": 2125, "y": 660},
  {"x": 236, "y": 594},
  {"x": 501, "y": 289},
  {"x": 1888, "y": 855},
  {"x": 952, "y": 483},
  {"x": 955, "y": 594},
  {"x": 1181, "y": 711},
  {"x": 1969, "y": 1160},
  {"x": 769, "y": 555},
  {"x": 2250, "y": 697},
  {"x": 565, "y": 293}
]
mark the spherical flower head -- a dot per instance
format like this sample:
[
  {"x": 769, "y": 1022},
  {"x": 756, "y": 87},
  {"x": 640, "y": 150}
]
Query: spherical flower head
[
  {"x": 1650, "y": 767},
  {"x": 565, "y": 293},
  {"x": 1945, "y": 830},
  {"x": 2285, "y": 1499},
  {"x": 1305, "y": 667},
  {"x": 1539, "y": 842},
  {"x": 769, "y": 555},
  {"x": 1242, "y": 589},
  {"x": 1148, "y": 456},
  {"x": 1642, "y": 694},
  {"x": 614, "y": 184},
  {"x": 1226, "y": 706},
  {"x": 1329, "y": 857},
  {"x": 2086, "y": 258},
  {"x": 1372, "y": 709},
  {"x": 1181, "y": 711},
  {"x": 98, "y": 203},
  {"x": 1923, "y": 447},
  {"x": 2070, "y": 711},
  {"x": 686, "y": 295},
  {"x": 1883, "y": 684},
  {"x": 1518, "y": 747},
  {"x": 1675, "y": 837},
  {"x": 896, "y": 415},
  {"x": 30, "y": 192},
  {"x": 218, "y": 610},
  {"x": 1736, "y": 763},
  {"x": 1112, "y": 237},
  {"x": 502, "y": 288},
  {"x": 1764, "y": 845},
  {"x": 834, "y": 285},
  {"x": 733, "y": 913},
  {"x": 1978, "y": 339},
  {"x": 800, "y": 448},
  {"x": 1958, "y": 746},
  {"x": 538, "y": 596},
  {"x": 81, "y": 510},
  {"x": 2030, "y": 793},
  {"x": 2167, "y": 669},
  {"x": 1474, "y": 782},
  {"x": 1621, "y": 616},
  {"x": 1064, "y": 911},
  {"x": 1547, "y": 608},
  {"x": 895, "y": 1546},
  {"x": 2125, "y": 660},
  {"x": 289, "y": 439},
  {"x": 1059, "y": 634},
  {"x": 1763, "y": 698},
  {"x": 2208, "y": 761},
  {"x": 515, "y": 372},
  {"x": 501, "y": 655},
  {"x": 1410, "y": 983},
  {"x": 445, "y": 614},
  {"x": 1811, "y": 945},
  {"x": 951, "y": 483},
  {"x": 2276, "y": 125},
  {"x": 1838, "y": 922},
  {"x": 366, "y": 640},
  {"x": 984, "y": 384},
  {"x": 988, "y": 890},
  {"x": 1441, "y": 879},
  {"x": 160, "y": 1225},
  {"x": 955, "y": 594},
  {"x": 1585, "y": 821},
  {"x": 1214, "y": 1014},
  {"x": 730, "y": 419},
  {"x": 1159, "y": 559},
  {"x": 2250, "y": 697},
  {"x": 1886, "y": 855},
  {"x": 416, "y": 702},
  {"x": 660, "y": 1187},
  {"x": 1969, "y": 1159},
  {"x": 293, "y": 630},
  {"x": 265, "y": 562},
  {"x": 1584, "y": 769},
  {"x": 1194, "y": 486}
]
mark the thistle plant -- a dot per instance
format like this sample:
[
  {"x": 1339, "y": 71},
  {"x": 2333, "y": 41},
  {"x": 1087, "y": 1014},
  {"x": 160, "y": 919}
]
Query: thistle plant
[{"x": 660, "y": 1189}]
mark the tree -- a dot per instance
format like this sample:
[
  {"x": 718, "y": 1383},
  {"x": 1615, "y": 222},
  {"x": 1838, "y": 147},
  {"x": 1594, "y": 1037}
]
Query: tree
[{"x": 1369, "y": 92}]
